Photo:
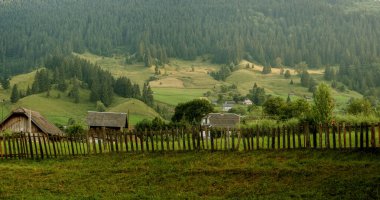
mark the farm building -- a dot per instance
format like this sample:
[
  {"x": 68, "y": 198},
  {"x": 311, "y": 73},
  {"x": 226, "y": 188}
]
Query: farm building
[
  {"x": 227, "y": 106},
  {"x": 23, "y": 120},
  {"x": 107, "y": 121},
  {"x": 218, "y": 120}
]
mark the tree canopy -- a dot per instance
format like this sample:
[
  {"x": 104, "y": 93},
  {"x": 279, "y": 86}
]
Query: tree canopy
[{"x": 192, "y": 111}]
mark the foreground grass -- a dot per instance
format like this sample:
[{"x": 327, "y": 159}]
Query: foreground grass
[{"x": 220, "y": 175}]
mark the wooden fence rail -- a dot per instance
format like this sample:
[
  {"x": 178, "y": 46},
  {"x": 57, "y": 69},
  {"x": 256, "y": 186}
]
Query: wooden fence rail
[{"x": 338, "y": 136}]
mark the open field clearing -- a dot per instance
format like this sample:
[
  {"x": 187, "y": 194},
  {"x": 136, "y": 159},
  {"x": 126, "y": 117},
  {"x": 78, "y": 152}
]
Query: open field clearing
[
  {"x": 173, "y": 96},
  {"x": 299, "y": 174}
]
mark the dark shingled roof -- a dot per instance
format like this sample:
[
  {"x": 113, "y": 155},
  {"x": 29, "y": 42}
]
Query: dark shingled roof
[
  {"x": 107, "y": 119},
  {"x": 226, "y": 120},
  {"x": 38, "y": 120}
]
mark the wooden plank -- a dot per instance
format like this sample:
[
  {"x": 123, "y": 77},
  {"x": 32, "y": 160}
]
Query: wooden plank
[
  {"x": 299, "y": 137},
  {"x": 288, "y": 136},
  {"x": 162, "y": 140},
  {"x": 349, "y": 136},
  {"x": 373, "y": 134},
  {"x": 40, "y": 145},
  {"x": 35, "y": 146},
  {"x": 327, "y": 136},
  {"x": 5, "y": 146},
  {"x": 243, "y": 137},
  {"x": 366, "y": 135},
  {"x": 278, "y": 132},
  {"x": 212, "y": 140},
  {"x": 46, "y": 149},
  {"x": 268, "y": 137},
  {"x": 142, "y": 141},
  {"x": 131, "y": 140},
  {"x": 283, "y": 133},
  {"x": 339, "y": 136},
  {"x": 361, "y": 135},
  {"x": 294, "y": 136},
  {"x": 146, "y": 140},
  {"x": 193, "y": 138},
  {"x": 320, "y": 130},
  {"x": 167, "y": 139},
  {"x": 152, "y": 138},
  {"x": 334, "y": 136},
  {"x": 30, "y": 146},
  {"x": 356, "y": 136},
  {"x": 126, "y": 141},
  {"x": 233, "y": 140},
  {"x": 188, "y": 140},
  {"x": 172, "y": 132},
  {"x": 207, "y": 137},
  {"x": 19, "y": 154},
  {"x": 54, "y": 146},
  {"x": 344, "y": 131},
  {"x": 315, "y": 127},
  {"x": 136, "y": 140},
  {"x": 307, "y": 130},
  {"x": 257, "y": 137},
  {"x": 274, "y": 130}
]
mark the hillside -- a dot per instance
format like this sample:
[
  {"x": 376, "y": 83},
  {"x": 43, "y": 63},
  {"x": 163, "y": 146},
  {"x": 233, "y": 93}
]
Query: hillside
[
  {"x": 182, "y": 81},
  {"x": 59, "y": 108}
]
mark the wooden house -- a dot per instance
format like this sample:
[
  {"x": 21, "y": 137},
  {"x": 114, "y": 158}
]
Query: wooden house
[
  {"x": 219, "y": 120},
  {"x": 23, "y": 120},
  {"x": 106, "y": 121}
]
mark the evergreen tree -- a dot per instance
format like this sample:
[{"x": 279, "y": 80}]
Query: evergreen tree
[
  {"x": 305, "y": 78},
  {"x": 287, "y": 74},
  {"x": 15, "y": 95},
  {"x": 5, "y": 83},
  {"x": 267, "y": 70},
  {"x": 147, "y": 95}
]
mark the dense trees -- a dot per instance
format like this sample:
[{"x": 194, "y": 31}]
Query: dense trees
[
  {"x": 273, "y": 32},
  {"x": 257, "y": 95},
  {"x": 62, "y": 70},
  {"x": 192, "y": 111}
]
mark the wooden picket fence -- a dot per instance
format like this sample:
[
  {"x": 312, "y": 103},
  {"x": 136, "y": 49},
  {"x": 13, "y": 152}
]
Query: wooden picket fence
[{"x": 340, "y": 136}]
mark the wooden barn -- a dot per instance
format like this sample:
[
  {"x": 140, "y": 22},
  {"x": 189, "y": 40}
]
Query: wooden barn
[
  {"x": 106, "y": 121},
  {"x": 219, "y": 120},
  {"x": 23, "y": 120}
]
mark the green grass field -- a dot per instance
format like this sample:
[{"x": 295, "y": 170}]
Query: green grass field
[
  {"x": 173, "y": 96},
  {"x": 300, "y": 174}
]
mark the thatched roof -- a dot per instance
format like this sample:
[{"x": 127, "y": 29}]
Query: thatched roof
[
  {"x": 219, "y": 120},
  {"x": 107, "y": 119},
  {"x": 38, "y": 120}
]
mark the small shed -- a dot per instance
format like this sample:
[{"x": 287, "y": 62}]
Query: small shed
[
  {"x": 227, "y": 106},
  {"x": 110, "y": 121},
  {"x": 24, "y": 120},
  {"x": 219, "y": 120}
]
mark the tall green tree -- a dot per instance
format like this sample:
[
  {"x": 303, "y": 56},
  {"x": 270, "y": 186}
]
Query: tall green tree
[
  {"x": 323, "y": 104},
  {"x": 15, "y": 95},
  {"x": 192, "y": 111}
]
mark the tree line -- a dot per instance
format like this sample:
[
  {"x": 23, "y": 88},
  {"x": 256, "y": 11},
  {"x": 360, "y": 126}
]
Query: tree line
[
  {"x": 71, "y": 73},
  {"x": 320, "y": 33}
]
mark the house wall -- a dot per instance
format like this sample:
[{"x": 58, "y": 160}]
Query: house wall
[{"x": 18, "y": 124}]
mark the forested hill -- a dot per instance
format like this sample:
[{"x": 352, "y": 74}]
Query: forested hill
[{"x": 323, "y": 32}]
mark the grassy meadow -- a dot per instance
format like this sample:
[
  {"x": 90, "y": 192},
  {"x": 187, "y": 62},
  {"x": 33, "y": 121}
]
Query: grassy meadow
[{"x": 221, "y": 175}]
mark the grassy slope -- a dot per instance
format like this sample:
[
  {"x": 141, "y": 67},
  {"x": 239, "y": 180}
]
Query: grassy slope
[
  {"x": 227, "y": 175},
  {"x": 137, "y": 110},
  {"x": 179, "y": 83},
  {"x": 59, "y": 110}
]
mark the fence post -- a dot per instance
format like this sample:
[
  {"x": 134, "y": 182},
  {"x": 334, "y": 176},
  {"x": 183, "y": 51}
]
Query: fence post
[
  {"x": 334, "y": 136},
  {"x": 361, "y": 135},
  {"x": 367, "y": 135},
  {"x": 373, "y": 134}
]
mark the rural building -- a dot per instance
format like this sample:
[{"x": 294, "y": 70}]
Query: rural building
[
  {"x": 107, "y": 121},
  {"x": 227, "y": 106},
  {"x": 247, "y": 102},
  {"x": 23, "y": 120},
  {"x": 219, "y": 120}
]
